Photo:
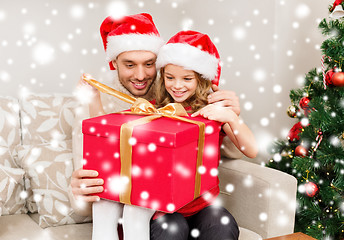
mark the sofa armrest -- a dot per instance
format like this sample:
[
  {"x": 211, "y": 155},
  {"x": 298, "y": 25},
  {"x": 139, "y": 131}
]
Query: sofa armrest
[{"x": 261, "y": 199}]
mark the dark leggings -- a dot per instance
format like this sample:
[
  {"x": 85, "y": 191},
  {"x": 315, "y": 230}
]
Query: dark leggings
[{"x": 211, "y": 223}]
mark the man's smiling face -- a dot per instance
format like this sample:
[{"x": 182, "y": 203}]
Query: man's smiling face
[{"x": 136, "y": 71}]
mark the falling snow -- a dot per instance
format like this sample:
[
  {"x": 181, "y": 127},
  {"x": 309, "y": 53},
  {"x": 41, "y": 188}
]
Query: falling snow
[
  {"x": 225, "y": 220},
  {"x": 144, "y": 195},
  {"x": 132, "y": 141},
  {"x": 152, "y": 147},
  {"x": 118, "y": 184},
  {"x": 277, "y": 157},
  {"x": 263, "y": 217},
  {"x": 77, "y": 11},
  {"x": 117, "y": 9},
  {"x": 230, "y": 188},
  {"x": 202, "y": 170},
  {"x": 170, "y": 207},
  {"x": 195, "y": 233},
  {"x": 49, "y": 51},
  {"x": 23, "y": 194}
]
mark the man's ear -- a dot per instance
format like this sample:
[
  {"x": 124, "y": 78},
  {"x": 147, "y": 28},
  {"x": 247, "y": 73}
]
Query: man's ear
[{"x": 114, "y": 64}]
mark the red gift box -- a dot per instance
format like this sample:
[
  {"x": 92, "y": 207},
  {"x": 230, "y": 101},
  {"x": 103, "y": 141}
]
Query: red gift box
[{"x": 163, "y": 156}]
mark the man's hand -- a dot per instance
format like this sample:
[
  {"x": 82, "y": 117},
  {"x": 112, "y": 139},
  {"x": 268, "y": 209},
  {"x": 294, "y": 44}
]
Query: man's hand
[
  {"x": 84, "y": 92},
  {"x": 225, "y": 99},
  {"x": 82, "y": 83},
  {"x": 84, "y": 183}
]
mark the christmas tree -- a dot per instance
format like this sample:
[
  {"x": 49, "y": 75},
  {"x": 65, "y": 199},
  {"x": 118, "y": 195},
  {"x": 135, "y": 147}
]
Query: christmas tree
[{"x": 314, "y": 149}]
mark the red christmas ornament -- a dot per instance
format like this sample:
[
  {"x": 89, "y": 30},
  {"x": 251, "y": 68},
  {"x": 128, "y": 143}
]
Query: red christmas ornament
[
  {"x": 300, "y": 151},
  {"x": 304, "y": 105},
  {"x": 294, "y": 132},
  {"x": 328, "y": 77},
  {"x": 338, "y": 79},
  {"x": 311, "y": 189},
  {"x": 304, "y": 102}
]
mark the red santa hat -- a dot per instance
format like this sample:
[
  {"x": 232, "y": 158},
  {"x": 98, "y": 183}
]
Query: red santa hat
[
  {"x": 130, "y": 33},
  {"x": 193, "y": 51}
]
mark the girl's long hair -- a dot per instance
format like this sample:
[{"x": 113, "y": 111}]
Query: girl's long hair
[{"x": 196, "y": 101}]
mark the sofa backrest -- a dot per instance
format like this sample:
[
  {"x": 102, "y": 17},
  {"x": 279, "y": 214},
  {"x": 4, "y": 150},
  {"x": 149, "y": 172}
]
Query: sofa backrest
[{"x": 47, "y": 118}]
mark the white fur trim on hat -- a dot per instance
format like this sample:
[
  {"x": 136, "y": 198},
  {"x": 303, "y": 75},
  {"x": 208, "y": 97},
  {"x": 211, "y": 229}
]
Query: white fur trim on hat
[
  {"x": 189, "y": 57},
  {"x": 132, "y": 42}
]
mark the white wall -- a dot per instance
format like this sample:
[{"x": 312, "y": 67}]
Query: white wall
[{"x": 264, "y": 45}]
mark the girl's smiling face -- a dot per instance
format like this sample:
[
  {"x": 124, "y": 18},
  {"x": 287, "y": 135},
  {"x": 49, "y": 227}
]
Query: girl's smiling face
[{"x": 179, "y": 82}]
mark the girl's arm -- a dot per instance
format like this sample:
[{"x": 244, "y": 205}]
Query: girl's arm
[{"x": 234, "y": 127}]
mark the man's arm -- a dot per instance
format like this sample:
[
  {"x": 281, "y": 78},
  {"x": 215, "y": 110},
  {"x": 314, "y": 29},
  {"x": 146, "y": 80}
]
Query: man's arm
[{"x": 83, "y": 182}]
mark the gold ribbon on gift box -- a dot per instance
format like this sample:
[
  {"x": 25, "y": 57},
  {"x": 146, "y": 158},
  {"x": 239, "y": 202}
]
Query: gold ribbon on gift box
[{"x": 143, "y": 107}]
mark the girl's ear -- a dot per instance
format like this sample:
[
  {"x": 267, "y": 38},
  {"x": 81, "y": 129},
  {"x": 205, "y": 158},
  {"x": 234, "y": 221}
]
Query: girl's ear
[{"x": 114, "y": 64}]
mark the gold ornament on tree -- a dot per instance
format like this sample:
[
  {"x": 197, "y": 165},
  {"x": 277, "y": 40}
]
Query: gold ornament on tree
[{"x": 292, "y": 111}]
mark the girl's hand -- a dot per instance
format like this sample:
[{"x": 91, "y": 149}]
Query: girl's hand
[{"x": 216, "y": 113}]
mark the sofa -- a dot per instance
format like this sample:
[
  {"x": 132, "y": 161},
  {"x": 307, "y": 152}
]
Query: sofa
[{"x": 36, "y": 166}]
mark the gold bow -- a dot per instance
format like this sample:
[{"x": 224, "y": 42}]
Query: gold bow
[{"x": 142, "y": 106}]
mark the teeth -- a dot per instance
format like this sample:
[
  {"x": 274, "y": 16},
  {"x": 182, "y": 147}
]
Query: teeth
[{"x": 139, "y": 84}]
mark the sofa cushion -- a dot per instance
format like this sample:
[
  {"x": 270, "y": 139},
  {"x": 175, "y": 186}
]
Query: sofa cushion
[
  {"x": 47, "y": 118},
  {"x": 20, "y": 227},
  {"x": 11, "y": 176},
  {"x": 48, "y": 169},
  {"x": 12, "y": 194},
  {"x": 72, "y": 231}
]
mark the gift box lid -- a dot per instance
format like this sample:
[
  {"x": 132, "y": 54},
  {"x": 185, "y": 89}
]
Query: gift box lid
[{"x": 164, "y": 131}]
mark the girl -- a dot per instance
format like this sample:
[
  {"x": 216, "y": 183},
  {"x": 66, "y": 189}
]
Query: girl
[{"x": 189, "y": 64}]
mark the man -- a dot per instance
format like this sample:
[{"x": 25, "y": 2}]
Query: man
[{"x": 131, "y": 46}]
